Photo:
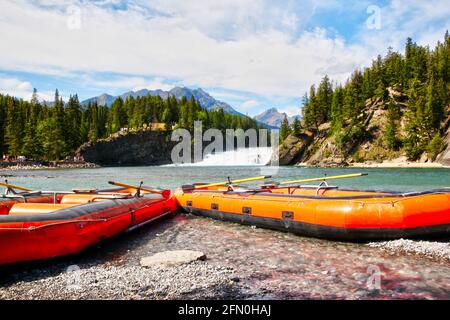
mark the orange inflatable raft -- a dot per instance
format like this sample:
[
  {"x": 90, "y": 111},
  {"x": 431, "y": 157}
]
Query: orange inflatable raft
[
  {"x": 324, "y": 211},
  {"x": 36, "y": 226}
]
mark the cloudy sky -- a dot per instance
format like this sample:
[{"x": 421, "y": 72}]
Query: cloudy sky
[{"x": 252, "y": 54}]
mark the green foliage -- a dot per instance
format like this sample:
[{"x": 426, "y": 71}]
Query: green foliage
[
  {"x": 337, "y": 117},
  {"x": 285, "y": 129},
  {"x": 392, "y": 140},
  {"x": 435, "y": 146},
  {"x": 423, "y": 75},
  {"x": 347, "y": 138},
  {"x": 54, "y": 132},
  {"x": 296, "y": 127}
]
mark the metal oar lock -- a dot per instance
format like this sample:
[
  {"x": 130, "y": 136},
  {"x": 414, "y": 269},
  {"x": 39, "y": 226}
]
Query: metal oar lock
[{"x": 10, "y": 188}]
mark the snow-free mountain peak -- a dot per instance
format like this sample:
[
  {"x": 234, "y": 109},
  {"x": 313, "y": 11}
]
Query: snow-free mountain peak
[
  {"x": 273, "y": 117},
  {"x": 204, "y": 98}
]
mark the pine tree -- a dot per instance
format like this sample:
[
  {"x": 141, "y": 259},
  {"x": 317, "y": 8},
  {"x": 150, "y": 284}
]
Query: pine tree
[
  {"x": 311, "y": 110},
  {"x": 2, "y": 125},
  {"x": 435, "y": 146},
  {"x": 337, "y": 120},
  {"x": 296, "y": 127},
  {"x": 434, "y": 108},
  {"x": 285, "y": 129},
  {"x": 32, "y": 148},
  {"x": 34, "y": 97},
  {"x": 118, "y": 116},
  {"x": 73, "y": 114},
  {"x": 57, "y": 127},
  {"x": 12, "y": 129},
  {"x": 392, "y": 140},
  {"x": 324, "y": 98}
]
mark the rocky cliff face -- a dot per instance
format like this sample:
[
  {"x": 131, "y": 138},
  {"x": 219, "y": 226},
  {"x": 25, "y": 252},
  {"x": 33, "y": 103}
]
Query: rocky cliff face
[
  {"x": 322, "y": 147},
  {"x": 444, "y": 156},
  {"x": 142, "y": 147},
  {"x": 292, "y": 150}
]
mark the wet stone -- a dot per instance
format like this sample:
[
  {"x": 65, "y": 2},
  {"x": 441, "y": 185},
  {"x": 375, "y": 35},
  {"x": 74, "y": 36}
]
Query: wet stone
[{"x": 175, "y": 257}]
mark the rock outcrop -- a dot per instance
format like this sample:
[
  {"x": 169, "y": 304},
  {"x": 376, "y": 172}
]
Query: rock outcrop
[
  {"x": 142, "y": 147},
  {"x": 444, "y": 156},
  {"x": 292, "y": 149}
]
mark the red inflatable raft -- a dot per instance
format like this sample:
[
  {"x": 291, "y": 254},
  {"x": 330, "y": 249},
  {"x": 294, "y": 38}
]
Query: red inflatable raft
[{"x": 40, "y": 225}]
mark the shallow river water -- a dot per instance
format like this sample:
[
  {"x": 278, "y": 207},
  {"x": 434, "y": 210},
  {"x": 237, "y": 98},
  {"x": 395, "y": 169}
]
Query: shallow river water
[{"x": 269, "y": 264}]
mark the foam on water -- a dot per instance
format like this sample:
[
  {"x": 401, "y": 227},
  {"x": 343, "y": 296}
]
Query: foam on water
[{"x": 239, "y": 157}]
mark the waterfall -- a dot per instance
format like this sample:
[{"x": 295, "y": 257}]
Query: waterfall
[{"x": 240, "y": 157}]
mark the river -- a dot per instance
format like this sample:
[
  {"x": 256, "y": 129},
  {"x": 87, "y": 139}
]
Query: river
[{"x": 174, "y": 176}]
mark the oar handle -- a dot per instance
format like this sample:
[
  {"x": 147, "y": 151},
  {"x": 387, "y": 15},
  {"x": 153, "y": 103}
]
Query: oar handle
[
  {"x": 231, "y": 182},
  {"x": 11, "y": 186},
  {"x": 164, "y": 193},
  {"x": 353, "y": 175}
]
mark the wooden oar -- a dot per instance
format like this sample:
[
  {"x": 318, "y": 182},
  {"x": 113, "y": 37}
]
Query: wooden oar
[
  {"x": 353, "y": 175},
  {"x": 11, "y": 186},
  {"x": 231, "y": 182},
  {"x": 124, "y": 185}
]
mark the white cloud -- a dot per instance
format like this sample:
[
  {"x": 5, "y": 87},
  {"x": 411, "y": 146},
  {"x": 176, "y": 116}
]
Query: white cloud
[
  {"x": 257, "y": 47},
  {"x": 121, "y": 82},
  {"x": 157, "y": 83},
  {"x": 116, "y": 83},
  {"x": 249, "y": 104},
  {"x": 22, "y": 89},
  {"x": 290, "y": 110},
  {"x": 424, "y": 21},
  {"x": 16, "y": 87},
  {"x": 218, "y": 94},
  {"x": 178, "y": 46}
]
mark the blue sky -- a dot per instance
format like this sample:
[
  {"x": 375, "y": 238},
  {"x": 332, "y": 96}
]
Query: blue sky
[{"x": 252, "y": 54}]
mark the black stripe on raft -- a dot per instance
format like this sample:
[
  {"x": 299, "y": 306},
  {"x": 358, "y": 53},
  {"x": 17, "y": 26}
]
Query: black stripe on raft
[
  {"x": 81, "y": 210},
  {"x": 326, "y": 232}
]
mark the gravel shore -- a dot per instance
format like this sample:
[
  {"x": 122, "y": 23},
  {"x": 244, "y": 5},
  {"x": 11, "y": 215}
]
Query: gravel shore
[
  {"x": 189, "y": 281},
  {"x": 429, "y": 249}
]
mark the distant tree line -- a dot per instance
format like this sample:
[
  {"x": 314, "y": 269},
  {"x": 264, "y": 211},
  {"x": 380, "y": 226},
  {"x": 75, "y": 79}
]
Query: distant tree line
[
  {"x": 421, "y": 75},
  {"x": 51, "y": 132}
]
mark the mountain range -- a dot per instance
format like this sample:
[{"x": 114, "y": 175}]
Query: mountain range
[
  {"x": 271, "y": 118},
  {"x": 205, "y": 99}
]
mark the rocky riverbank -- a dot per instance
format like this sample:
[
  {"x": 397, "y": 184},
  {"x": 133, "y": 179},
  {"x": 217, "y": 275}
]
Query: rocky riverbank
[
  {"x": 429, "y": 249},
  {"x": 106, "y": 281},
  {"x": 46, "y": 166},
  {"x": 388, "y": 164},
  {"x": 241, "y": 263}
]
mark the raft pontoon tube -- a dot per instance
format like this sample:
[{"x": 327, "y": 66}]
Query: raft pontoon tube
[
  {"x": 325, "y": 211},
  {"x": 35, "y": 226}
]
